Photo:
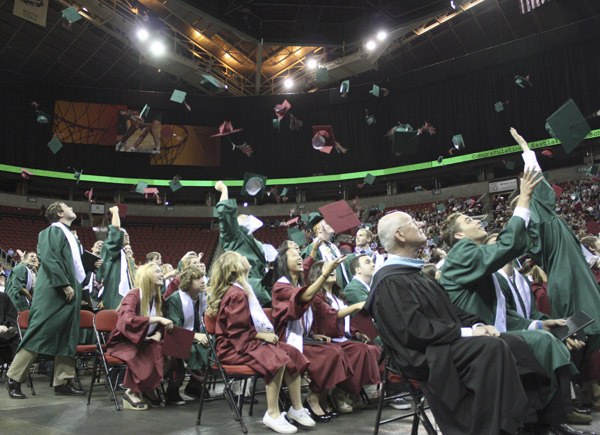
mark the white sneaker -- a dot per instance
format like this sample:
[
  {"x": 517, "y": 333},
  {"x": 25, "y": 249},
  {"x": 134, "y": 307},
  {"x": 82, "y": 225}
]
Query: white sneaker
[
  {"x": 279, "y": 424},
  {"x": 400, "y": 403},
  {"x": 300, "y": 416}
]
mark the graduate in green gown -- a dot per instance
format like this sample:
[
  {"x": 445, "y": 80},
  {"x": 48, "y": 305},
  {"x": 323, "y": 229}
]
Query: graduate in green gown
[
  {"x": 54, "y": 315},
  {"x": 20, "y": 282},
  {"x": 235, "y": 233},
  {"x": 117, "y": 270},
  {"x": 362, "y": 269},
  {"x": 185, "y": 308}
]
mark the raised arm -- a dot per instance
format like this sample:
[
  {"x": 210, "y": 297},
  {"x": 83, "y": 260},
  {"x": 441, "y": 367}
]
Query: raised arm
[
  {"x": 115, "y": 219},
  {"x": 222, "y": 188},
  {"x": 328, "y": 268}
]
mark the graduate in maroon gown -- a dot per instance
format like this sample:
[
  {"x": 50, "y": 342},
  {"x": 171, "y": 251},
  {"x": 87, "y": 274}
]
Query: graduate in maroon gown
[
  {"x": 137, "y": 338},
  {"x": 332, "y": 320},
  {"x": 246, "y": 336},
  {"x": 293, "y": 318}
]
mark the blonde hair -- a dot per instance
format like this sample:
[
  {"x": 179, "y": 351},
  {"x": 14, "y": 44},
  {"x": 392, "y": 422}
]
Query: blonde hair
[
  {"x": 144, "y": 280},
  {"x": 538, "y": 275},
  {"x": 226, "y": 270}
]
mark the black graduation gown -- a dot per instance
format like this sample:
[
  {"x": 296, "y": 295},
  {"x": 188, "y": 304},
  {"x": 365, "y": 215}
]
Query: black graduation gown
[{"x": 472, "y": 383}]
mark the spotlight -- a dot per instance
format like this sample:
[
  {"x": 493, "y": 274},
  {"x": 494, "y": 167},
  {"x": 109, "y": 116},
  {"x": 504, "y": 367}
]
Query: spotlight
[
  {"x": 312, "y": 63},
  {"x": 452, "y": 4},
  {"x": 157, "y": 48},
  {"x": 381, "y": 35},
  {"x": 288, "y": 83},
  {"x": 370, "y": 45},
  {"x": 142, "y": 34},
  {"x": 245, "y": 204}
]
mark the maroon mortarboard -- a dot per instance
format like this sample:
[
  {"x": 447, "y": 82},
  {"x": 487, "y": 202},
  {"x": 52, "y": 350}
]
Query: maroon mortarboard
[
  {"x": 557, "y": 190},
  {"x": 292, "y": 221},
  {"x": 282, "y": 109},
  {"x": 548, "y": 153},
  {"x": 150, "y": 191},
  {"x": 26, "y": 174},
  {"x": 340, "y": 216},
  {"x": 89, "y": 194},
  {"x": 122, "y": 209},
  {"x": 577, "y": 206},
  {"x": 226, "y": 129},
  {"x": 323, "y": 139},
  {"x": 178, "y": 343}
]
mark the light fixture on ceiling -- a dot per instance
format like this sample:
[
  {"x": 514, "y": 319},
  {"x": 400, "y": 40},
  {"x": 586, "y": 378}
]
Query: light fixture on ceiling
[
  {"x": 371, "y": 45},
  {"x": 288, "y": 83},
  {"x": 157, "y": 47},
  {"x": 311, "y": 63},
  {"x": 142, "y": 34},
  {"x": 381, "y": 35}
]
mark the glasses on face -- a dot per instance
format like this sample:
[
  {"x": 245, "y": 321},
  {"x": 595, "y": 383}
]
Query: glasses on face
[{"x": 410, "y": 222}]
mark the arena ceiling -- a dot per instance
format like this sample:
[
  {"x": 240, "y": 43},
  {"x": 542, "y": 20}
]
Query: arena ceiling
[{"x": 247, "y": 47}]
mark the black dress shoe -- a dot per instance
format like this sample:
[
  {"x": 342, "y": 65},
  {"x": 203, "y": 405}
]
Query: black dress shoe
[
  {"x": 318, "y": 418},
  {"x": 565, "y": 429},
  {"x": 68, "y": 389},
  {"x": 14, "y": 389}
]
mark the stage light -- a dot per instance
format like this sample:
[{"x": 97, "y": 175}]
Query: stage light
[
  {"x": 371, "y": 45},
  {"x": 142, "y": 34},
  {"x": 245, "y": 204},
  {"x": 381, "y": 35},
  {"x": 312, "y": 63},
  {"x": 157, "y": 48},
  {"x": 288, "y": 83}
]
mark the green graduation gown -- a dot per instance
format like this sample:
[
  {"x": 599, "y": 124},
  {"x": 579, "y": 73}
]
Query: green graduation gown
[
  {"x": 174, "y": 311},
  {"x": 467, "y": 277},
  {"x": 111, "y": 268},
  {"x": 511, "y": 304},
  {"x": 236, "y": 238},
  {"x": 16, "y": 281},
  {"x": 356, "y": 291},
  {"x": 54, "y": 322},
  {"x": 554, "y": 247}
]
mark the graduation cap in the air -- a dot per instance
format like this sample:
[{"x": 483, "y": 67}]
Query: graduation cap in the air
[
  {"x": 175, "y": 183},
  {"x": 26, "y": 174},
  {"x": 254, "y": 184},
  {"x": 225, "y": 129},
  {"x": 509, "y": 164},
  {"x": 593, "y": 170},
  {"x": 369, "y": 179},
  {"x": 71, "y": 15},
  {"x": 440, "y": 159},
  {"x": 284, "y": 192},
  {"x": 55, "y": 145},
  {"x": 522, "y": 81},
  {"x": 322, "y": 75},
  {"x": 568, "y": 125},
  {"x": 344, "y": 88},
  {"x": 140, "y": 187},
  {"x": 340, "y": 216},
  {"x": 77, "y": 175},
  {"x": 89, "y": 194},
  {"x": 323, "y": 139},
  {"x": 179, "y": 97},
  {"x": 499, "y": 106},
  {"x": 145, "y": 111},
  {"x": 404, "y": 139},
  {"x": 458, "y": 142},
  {"x": 377, "y": 91},
  {"x": 281, "y": 110},
  {"x": 547, "y": 153},
  {"x": 297, "y": 235}
]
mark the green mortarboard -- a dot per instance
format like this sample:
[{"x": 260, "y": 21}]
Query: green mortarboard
[
  {"x": 284, "y": 191},
  {"x": 304, "y": 217},
  {"x": 440, "y": 159},
  {"x": 322, "y": 75},
  {"x": 55, "y": 145},
  {"x": 440, "y": 207},
  {"x": 522, "y": 81},
  {"x": 175, "y": 185},
  {"x": 593, "y": 169},
  {"x": 254, "y": 184},
  {"x": 458, "y": 142},
  {"x": 71, "y": 14},
  {"x": 381, "y": 206},
  {"x": 499, "y": 106},
  {"x": 568, "y": 125},
  {"x": 297, "y": 235},
  {"x": 369, "y": 179},
  {"x": 42, "y": 117},
  {"x": 404, "y": 139},
  {"x": 140, "y": 186},
  {"x": 314, "y": 218},
  {"x": 178, "y": 96},
  {"x": 375, "y": 91},
  {"x": 77, "y": 175},
  {"x": 276, "y": 123},
  {"x": 509, "y": 164},
  {"x": 345, "y": 87},
  {"x": 370, "y": 119},
  {"x": 145, "y": 111}
]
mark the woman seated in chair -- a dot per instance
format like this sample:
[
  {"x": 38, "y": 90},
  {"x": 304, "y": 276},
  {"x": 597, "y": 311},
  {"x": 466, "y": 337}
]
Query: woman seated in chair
[
  {"x": 137, "y": 338},
  {"x": 332, "y": 320},
  {"x": 293, "y": 317},
  {"x": 185, "y": 308},
  {"x": 246, "y": 336}
]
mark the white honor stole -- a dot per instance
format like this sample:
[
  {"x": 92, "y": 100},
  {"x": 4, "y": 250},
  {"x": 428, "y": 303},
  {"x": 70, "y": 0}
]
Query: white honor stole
[
  {"x": 187, "y": 304},
  {"x": 30, "y": 279},
  {"x": 500, "y": 320},
  {"x": 295, "y": 328},
  {"x": 259, "y": 318},
  {"x": 76, "y": 252},
  {"x": 124, "y": 283},
  {"x": 151, "y": 313}
]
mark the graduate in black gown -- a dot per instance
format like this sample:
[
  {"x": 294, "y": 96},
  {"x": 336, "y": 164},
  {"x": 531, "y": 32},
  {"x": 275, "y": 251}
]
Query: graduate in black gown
[{"x": 468, "y": 371}]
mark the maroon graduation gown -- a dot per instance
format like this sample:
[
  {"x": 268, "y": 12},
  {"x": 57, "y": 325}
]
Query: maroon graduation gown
[
  {"x": 128, "y": 342},
  {"x": 329, "y": 365},
  {"x": 237, "y": 343},
  {"x": 363, "y": 358}
]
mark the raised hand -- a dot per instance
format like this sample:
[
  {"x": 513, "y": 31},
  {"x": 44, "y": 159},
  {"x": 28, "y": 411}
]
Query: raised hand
[{"x": 522, "y": 142}]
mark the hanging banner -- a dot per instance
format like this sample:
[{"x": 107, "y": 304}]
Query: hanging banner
[{"x": 32, "y": 10}]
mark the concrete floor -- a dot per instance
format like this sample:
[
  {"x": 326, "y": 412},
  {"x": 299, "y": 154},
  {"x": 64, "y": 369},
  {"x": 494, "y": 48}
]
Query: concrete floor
[{"x": 48, "y": 414}]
